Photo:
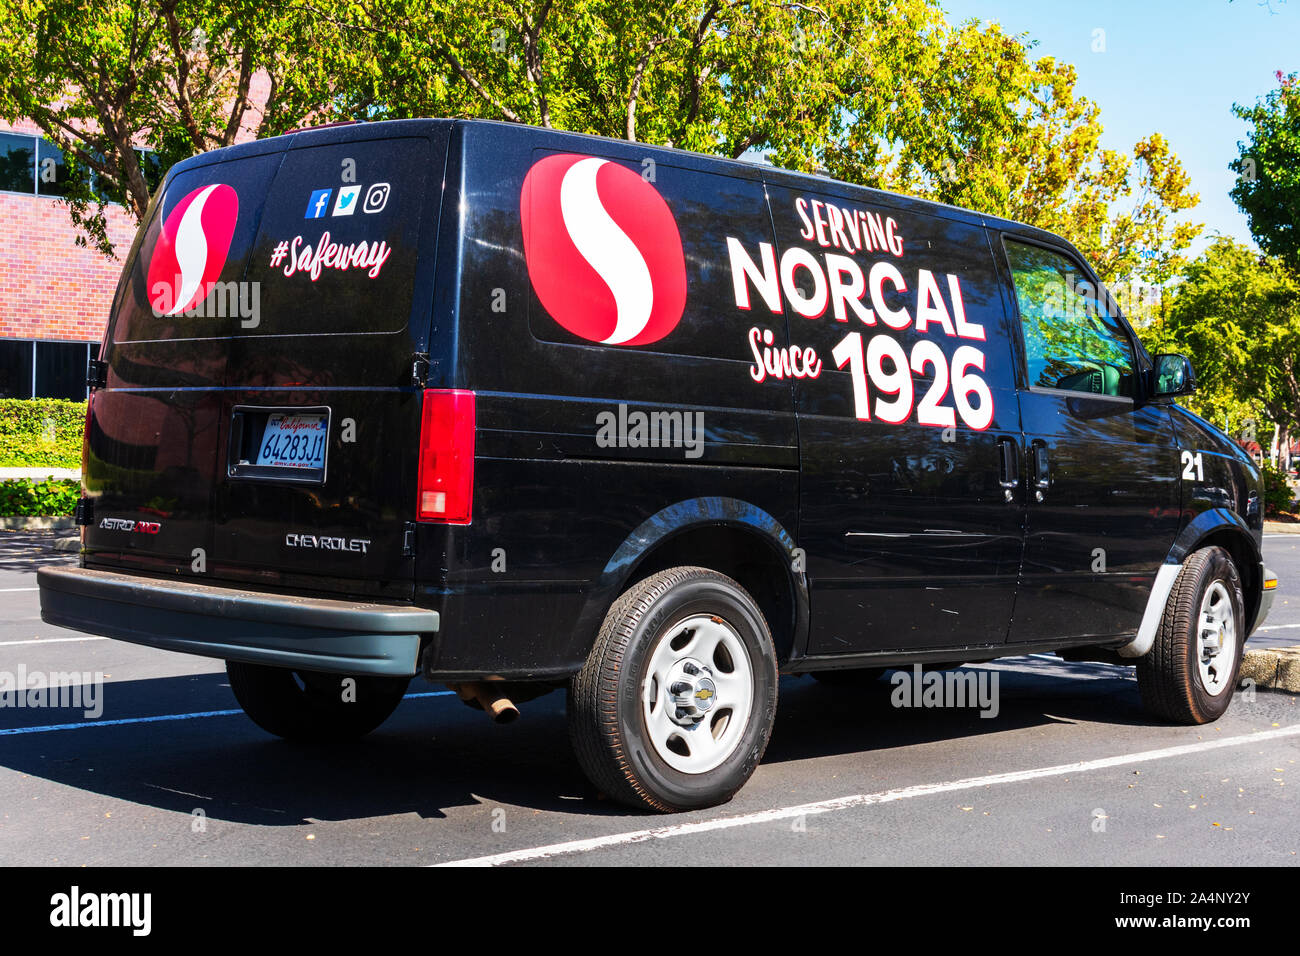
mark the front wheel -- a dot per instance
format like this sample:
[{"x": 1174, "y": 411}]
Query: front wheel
[
  {"x": 674, "y": 707},
  {"x": 312, "y": 706},
  {"x": 1189, "y": 674}
]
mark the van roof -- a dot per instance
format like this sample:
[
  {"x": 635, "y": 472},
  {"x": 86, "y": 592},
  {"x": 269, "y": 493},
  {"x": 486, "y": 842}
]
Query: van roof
[{"x": 360, "y": 131}]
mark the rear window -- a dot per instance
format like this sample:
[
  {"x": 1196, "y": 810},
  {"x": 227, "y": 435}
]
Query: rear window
[
  {"x": 338, "y": 242},
  {"x": 185, "y": 282},
  {"x": 318, "y": 240}
]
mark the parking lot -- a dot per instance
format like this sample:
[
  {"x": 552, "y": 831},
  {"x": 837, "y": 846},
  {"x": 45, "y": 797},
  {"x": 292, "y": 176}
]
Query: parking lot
[{"x": 1070, "y": 771}]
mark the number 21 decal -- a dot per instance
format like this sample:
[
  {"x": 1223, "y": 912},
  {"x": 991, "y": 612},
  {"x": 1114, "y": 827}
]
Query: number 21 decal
[{"x": 1192, "y": 466}]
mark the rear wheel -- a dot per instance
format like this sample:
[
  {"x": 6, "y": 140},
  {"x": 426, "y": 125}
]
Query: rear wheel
[
  {"x": 674, "y": 707},
  {"x": 1189, "y": 674},
  {"x": 313, "y": 706}
]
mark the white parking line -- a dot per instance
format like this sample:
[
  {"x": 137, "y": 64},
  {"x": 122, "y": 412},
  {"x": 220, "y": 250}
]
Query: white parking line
[
  {"x": 47, "y": 728},
  {"x": 862, "y": 800},
  {"x": 1275, "y": 627},
  {"x": 51, "y": 640},
  {"x": 11, "y": 590}
]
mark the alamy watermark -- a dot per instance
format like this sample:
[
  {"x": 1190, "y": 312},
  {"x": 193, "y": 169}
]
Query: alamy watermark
[
  {"x": 638, "y": 429},
  {"x": 56, "y": 689},
  {"x": 223, "y": 300},
  {"x": 921, "y": 688}
]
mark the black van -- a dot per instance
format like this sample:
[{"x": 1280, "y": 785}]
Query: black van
[{"x": 515, "y": 409}]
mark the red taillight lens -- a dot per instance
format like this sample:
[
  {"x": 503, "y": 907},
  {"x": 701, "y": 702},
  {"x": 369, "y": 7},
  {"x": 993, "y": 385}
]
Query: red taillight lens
[{"x": 446, "y": 490}]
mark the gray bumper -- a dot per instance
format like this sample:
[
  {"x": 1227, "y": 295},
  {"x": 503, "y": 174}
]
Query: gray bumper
[{"x": 234, "y": 624}]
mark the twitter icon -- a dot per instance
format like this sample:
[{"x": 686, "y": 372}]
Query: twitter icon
[{"x": 346, "y": 204}]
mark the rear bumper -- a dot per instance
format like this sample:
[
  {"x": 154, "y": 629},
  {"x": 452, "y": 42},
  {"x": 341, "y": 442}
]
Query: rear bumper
[{"x": 235, "y": 624}]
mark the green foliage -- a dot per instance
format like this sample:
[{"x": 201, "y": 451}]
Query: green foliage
[
  {"x": 1268, "y": 170},
  {"x": 41, "y": 432},
  {"x": 1237, "y": 317},
  {"x": 880, "y": 92},
  {"x": 1278, "y": 495},
  {"x": 101, "y": 79},
  {"x": 51, "y": 497}
]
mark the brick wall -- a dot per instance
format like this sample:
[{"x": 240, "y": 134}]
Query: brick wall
[{"x": 51, "y": 288}]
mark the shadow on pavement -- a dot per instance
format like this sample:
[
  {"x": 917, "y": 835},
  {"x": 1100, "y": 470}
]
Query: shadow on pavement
[{"x": 435, "y": 754}]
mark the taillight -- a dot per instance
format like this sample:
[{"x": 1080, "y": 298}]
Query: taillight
[{"x": 446, "y": 488}]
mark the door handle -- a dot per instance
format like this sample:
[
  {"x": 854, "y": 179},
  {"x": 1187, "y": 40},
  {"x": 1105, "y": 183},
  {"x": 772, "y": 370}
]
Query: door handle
[
  {"x": 1009, "y": 466},
  {"x": 1042, "y": 468}
]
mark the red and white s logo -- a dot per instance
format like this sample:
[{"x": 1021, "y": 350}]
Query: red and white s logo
[
  {"x": 191, "y": 252},
  {"x": 603, "y": 251}
]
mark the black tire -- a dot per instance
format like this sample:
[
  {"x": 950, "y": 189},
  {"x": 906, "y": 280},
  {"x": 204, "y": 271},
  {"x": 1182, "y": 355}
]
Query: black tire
[
  {"x": 311, "y": 706},
  {"x": 851, "y": 677},
  {"x": 1169, "y": 674},
  {"x": 614, "y": 700}
]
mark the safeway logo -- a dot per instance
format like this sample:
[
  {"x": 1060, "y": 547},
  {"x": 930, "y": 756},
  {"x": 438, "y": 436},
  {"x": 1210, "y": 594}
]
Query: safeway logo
[
  {"x": 191, "y": 252},
  {"x": 603, "y": 251}
]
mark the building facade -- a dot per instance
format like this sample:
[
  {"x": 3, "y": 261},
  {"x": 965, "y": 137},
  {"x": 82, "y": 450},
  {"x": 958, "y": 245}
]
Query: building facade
[{"x": 54, "y": 294}]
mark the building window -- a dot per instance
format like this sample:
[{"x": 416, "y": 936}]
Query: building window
[
  {"x": 35, "y": 166},
  {"x": 51, "y": 170},
  {"x": 17, "y": 163},
  {"x": 44, "y": 369}
]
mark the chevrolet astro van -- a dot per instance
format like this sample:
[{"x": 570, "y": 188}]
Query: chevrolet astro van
[{"x": 517, "y": 410}]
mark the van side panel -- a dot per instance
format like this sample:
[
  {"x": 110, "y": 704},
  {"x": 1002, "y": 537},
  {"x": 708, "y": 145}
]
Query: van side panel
[
  {"x": 913, "y": 539},
  {"x": 562, "y": 476}
]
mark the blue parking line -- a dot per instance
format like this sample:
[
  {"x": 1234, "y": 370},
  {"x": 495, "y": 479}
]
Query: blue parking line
[{"x": 46, "y": 728}]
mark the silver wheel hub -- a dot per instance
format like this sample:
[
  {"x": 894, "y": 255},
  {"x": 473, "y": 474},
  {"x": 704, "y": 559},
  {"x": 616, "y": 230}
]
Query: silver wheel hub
[
  {"x": 693, "y": 690},
  {"x": 698, "y": 694},
  {"x": 1216, "y": 639}
]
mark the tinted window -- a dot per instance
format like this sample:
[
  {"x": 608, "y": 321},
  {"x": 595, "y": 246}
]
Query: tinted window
[
  {"x": 903, "y": 303},
  {"x": 15, "y": 369},
  {"x": 621, "y": 214},
  {"x": 17, "y": 163},
  {"x": 51, "y": 170},
  {"x": 1071, "y": 342},
  {"x": 61, "y": 370},
  {"x": 337, "y": 254},
  {"x": 145, "y": 310}
]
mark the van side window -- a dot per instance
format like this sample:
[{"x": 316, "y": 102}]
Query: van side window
[{"x": 1072, "y": 341}]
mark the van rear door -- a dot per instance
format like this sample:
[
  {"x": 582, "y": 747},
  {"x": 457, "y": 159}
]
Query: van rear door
[
  {"x": 320, "y": 421},
  {"x": 152, "y": 435},
  {"x": 272, "y": 437}
]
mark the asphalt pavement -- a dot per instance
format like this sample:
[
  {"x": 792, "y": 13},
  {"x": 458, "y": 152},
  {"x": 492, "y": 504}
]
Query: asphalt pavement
[{"x": 1071, "y": 770}]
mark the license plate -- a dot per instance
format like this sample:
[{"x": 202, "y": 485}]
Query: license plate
[{"x": 294, "y": 441}]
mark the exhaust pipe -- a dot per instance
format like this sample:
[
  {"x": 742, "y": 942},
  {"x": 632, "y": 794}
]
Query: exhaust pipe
[{"x": 482, "y": 696}]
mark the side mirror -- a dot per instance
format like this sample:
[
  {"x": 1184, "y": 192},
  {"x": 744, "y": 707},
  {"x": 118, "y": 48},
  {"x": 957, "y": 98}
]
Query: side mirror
[{"x": 1172, "y": 376}]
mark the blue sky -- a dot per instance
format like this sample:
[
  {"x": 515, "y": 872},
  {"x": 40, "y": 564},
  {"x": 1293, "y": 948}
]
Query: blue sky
[{"x": 1173, "y": 68}]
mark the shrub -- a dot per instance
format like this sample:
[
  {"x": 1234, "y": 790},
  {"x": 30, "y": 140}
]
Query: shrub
[
  {"x": 49, "y": 497},
  {"x": 41, "y": 432},
  {"x": 1278, "y": 495}
]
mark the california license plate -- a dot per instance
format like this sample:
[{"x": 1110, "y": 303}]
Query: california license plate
[{"x": 294, "y": 441}]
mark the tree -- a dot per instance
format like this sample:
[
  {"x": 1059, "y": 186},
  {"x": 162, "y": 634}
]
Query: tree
[
  {"x": 1268, "y": 171},
  {"x": 880, "y": 92},
  {"x": 884, "y": 94},
  {"x": 1237, "y": 316},
  {"x": 102, "y": 79},
  {"x": 999, "y": 131}
]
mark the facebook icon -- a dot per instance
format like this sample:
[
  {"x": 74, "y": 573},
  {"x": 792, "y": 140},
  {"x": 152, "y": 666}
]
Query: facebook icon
[{"x": 318, "y": 204}]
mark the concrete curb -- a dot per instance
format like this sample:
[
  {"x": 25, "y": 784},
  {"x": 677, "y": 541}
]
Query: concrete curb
[
  {"x": 13, "y": 523},
  {"x": 1273, "y": 668},
  {"x": 40, "y": 474},
  {"x": 67, "y": 543},
  {"x": 1282, "y": 527}
]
